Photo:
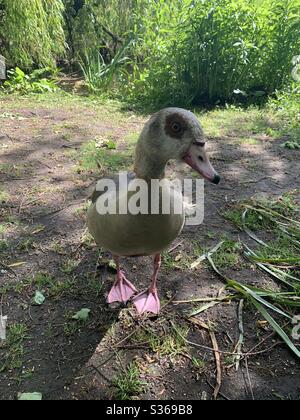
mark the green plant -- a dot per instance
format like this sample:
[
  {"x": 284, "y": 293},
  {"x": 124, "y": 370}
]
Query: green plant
[
  {"x": 21, "y": 83},
  {"x": 169, "y": 343},
  {"x": 32, "y": 33},
  {"x": 287, "y": 106},
  {"x": 69, "y": 266},
  {"x": 279, "y": 258},
  {"x": 4, "y": 246},
  {"x": 53, "y": 286},
  {"x": 99, "y": 75},
  {"x": 93, "y": 156},
  {"x": 4, "y": 197},
  {"x": 14, "y": 348},
  {"x": 228, "y": 254},
  {"x": 128, "y": 384},
  {"x": 212, "y": 51}
]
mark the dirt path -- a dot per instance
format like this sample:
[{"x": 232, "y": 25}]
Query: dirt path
[{"x": 44, "y": 243}]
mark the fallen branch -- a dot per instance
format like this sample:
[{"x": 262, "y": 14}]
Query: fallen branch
[
  {"x": 241, "y": 337},
  {"x": 218, "y": 363}
]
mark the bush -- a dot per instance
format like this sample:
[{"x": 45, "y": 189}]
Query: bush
[
  {"x": 213, "y": 51},
  {"x": 21, "y": 83},
  {"x": 287, "y": 106},
  {"x": 31, "y": 32},
  {"x": 100, "y": 76}
]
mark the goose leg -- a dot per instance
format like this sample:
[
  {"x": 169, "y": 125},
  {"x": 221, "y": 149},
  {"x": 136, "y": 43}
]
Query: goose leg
[
  {"x": 148, "y": 301},
  {"x": 122, "y": 289}
]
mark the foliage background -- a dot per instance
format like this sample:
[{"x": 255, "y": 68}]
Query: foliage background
[{"x": 159, "y": 53}]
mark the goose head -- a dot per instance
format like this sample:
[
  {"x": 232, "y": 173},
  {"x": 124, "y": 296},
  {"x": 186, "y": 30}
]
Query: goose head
[{"x": 174, "y": 133}]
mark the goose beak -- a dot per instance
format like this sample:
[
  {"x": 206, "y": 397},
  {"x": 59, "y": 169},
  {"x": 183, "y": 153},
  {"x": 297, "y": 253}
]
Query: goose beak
[{"x": 198, "y": 160}]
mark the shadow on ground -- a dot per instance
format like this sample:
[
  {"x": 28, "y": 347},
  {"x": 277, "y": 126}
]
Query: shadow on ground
[{"x": 45, "y": 203}]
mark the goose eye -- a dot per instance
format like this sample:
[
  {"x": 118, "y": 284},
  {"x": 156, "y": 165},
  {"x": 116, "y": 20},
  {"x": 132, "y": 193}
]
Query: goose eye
[{"x": 176, "y": 127}]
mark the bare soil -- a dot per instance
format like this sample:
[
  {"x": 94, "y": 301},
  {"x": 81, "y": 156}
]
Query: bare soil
[{"x": 62, "y": 359}]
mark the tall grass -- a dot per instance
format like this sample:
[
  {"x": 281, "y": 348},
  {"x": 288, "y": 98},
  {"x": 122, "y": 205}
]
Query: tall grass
[
  {"x": 279, "y": 259},
  {"x": 286, "y": 104},
  {"x": 213, "y": 50},
  {"x": 184, "y": 52},
  {"x": 100, "y": 76}
]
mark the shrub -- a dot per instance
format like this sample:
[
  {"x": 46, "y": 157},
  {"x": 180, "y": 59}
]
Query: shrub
[
  {"x": 21, "y": 83},
  {"x": 213, "y": 51}
]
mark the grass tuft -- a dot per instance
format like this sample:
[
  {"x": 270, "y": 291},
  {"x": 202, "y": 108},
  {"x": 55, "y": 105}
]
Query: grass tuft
[{"x": 128, "y": 384}]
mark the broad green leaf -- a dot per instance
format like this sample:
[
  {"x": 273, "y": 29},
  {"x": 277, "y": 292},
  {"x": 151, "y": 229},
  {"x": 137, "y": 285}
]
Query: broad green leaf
[
  {"x": 82, "y": 315},
  {"x": 111, "y": 145},
  {"x": 203, "y": 308},
  {"x": 276, "y": 327},
  {"x": 39, "y": 298},
  {"x": 32, "y": 396}
]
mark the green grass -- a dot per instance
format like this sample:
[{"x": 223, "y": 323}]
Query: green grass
[
  {"x": 229, "y": 254},
  {"x": 175, "y": 261},
  {"x": 82, "y": 210},
  {"x": 69, "y": 266},
  {"x": 256, "y": 219},
  {"x": 87, "y": 240},
  {"x": 4, "y": 196},
  {"x": 14, "y": 347},
  {"x": 93, "y": 157},
  {"x": 26, "y": 244},
  {"x": 127, "y": 383},
  {"x": 14, "y": 171},
  {"x": 199, "y": 364},
  {"x": 240, "y": 123},
  {"x": 250, "y": 141},
  {"x": 278, "y": 257},
  {"x": 94, "y": 284},
  {"x": 281, "y": 248},
  {"x": 57, "y": 247},
  {"x": 53, "y": 287},
  {"x": 4, "y": 245},
  {"x": 168, "y": 343},
  {"x": 43, "y": 280},
  {"x": 3, "y": 229},
  {"x": 71, "y": 328},
  {"x": 50, "y": 286}
]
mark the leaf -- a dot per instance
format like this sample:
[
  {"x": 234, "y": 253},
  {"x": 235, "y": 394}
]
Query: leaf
[
  {"x": 33, "y": 396},
  {"x": 112, "y": 265},
  {"x": 39, "y": 298},
  {"x": 276, "y": 327},
  {"x": 206, "y": 256},
  {"x": 82, "y": 315},
  {"x": 204, "y": 308},
  {"x": 18, "y": 264},
  {"x": 19, "y": 72},
  {"x": 263, "y": 301},
  {"x": 111, "y": 145},
  {"x": 249, "y": 232},
  {"x": 38, "y": 230}
]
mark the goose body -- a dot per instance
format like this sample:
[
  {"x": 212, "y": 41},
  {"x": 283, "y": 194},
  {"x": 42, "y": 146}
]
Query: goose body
[
  {"x": 130, "y": 235},
  {"x": 172, "y": 133}
]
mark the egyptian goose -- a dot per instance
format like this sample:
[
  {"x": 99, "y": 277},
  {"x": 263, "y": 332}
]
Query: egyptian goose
[{"x": 172, "y": 133}]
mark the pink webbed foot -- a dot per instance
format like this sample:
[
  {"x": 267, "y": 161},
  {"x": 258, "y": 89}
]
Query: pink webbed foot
[
  {"x": 122, "y": 290},
  {"x": 147, "y": 301}
]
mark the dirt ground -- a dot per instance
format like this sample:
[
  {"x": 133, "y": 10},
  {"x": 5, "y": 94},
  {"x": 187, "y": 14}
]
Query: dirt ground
[{"x": 44, "y": 209}]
